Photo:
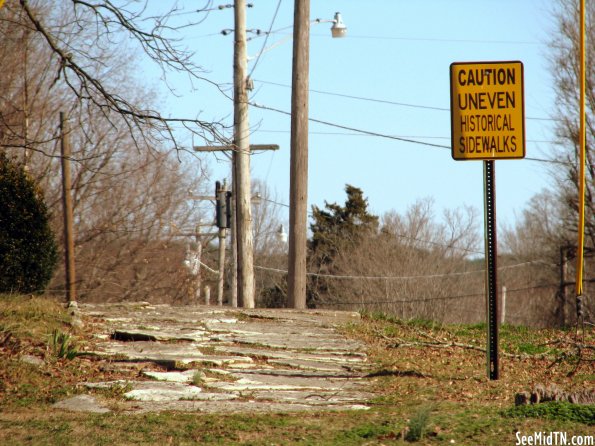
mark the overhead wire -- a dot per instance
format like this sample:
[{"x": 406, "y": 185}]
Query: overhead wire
[
  {"x": 265, "y": 39},
  {"x": 381, "y": 101},
  {"x": 413, "y": 277},
  {"x": 400, "y": 136},
  {"x": 438, "y": 298},
  {"x": 417, "y": 39},
  {"x": 432, "y": 39},
  {"x": 386, "y": 136},
  {"x": 344, "y": 127}
]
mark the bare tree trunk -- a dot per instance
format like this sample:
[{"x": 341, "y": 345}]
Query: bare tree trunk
[{"x": 67, "y": 209}]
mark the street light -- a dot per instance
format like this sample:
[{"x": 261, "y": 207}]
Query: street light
[
  {"x": 281, "y": 235},
  {"x": 298, "y": 175},
  {"x": 338, "y": 29}
]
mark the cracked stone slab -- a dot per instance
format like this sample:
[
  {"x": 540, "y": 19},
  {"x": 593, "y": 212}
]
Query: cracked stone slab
[
  {"x": 234, "y": 406},
  {"x": 311, "y": 317},
  {"x": 152, "y": 351},
  {"x": 157, "y": 334},
  {"x": 32, "y": 360},
  {"x": 255, "y": 360},
  {"x": 313, "y": 366},
  {"x": 107, "y": 384},
  {"x": 81, "y": 403},
  {"x": 292, "y": 372},
  {"x": 246, "y": 381},
  {"x": 186, "y": 376},
  {"x": 313, "y": 398},
  {"x": 167, "y": 354},
  {"x": 327, "y": 356},
  {"x": 162, "y": 391},
  {"x": 286, "y": 335}
]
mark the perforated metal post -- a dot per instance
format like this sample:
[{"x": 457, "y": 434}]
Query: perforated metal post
[{"x": 491, "y": 268}]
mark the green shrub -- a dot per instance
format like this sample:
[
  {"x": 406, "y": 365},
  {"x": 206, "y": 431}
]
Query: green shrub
[
  {"x": 62, "y": 345},
  {"x": 28, "y": 254},
  {"x": 555, "y": 410},
  {"x": 417, "y": 427}
]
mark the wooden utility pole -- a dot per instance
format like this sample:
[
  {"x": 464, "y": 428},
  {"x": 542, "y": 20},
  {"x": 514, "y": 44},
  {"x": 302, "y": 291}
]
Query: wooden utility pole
[
  {"x": 242, "y": 162},
  {"x": 198, "y": 254},
  {"x": 299, "y": 156},
  {"x": 222, "y": 222},
  {"x": 234, "y": 244},
  {"x": 221, "y": 275},
  {"x": 67, "y": 211}
]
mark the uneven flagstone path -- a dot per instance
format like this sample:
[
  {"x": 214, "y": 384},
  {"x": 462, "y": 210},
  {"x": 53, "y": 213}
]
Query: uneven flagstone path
[{"x": 218, "y": 359}]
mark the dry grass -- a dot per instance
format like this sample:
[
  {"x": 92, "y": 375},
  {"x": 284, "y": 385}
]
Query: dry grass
[{"x": 417, "y": 365}]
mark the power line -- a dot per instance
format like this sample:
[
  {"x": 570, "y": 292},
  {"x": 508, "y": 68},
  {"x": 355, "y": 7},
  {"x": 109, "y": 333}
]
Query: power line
[
  {"x": 266, "y": 39},
  {"x": 367, "y": 132},
  {"x": 381, "y": 101},
  {"x": 361, "y": 98},
  {"x": 383, "y": 135},
  {"x": 430, "y": 39},
  {"x": 400, "y": 136},
  {"x": 432, "y": 299},
  {"x": 414, "y": 277},
  {"x": 416, "y": 39},
  {"x": 406, "y": 301}
]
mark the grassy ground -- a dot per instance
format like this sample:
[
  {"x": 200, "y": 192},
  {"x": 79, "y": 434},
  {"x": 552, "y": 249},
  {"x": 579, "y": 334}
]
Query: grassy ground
[{"x": 430, "y": 381}]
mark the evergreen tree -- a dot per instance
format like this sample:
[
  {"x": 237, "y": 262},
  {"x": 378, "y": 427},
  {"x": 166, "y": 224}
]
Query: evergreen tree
[
  {"x": 337, "y": 229},
  {"x": 28, "y": 252}
]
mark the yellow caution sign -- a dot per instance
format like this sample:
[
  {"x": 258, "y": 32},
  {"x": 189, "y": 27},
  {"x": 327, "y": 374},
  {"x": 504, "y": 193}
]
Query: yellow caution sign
[{"x": 487, "y": 110}]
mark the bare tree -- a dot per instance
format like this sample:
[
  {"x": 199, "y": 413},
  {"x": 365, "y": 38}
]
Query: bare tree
[
  {"x": 417, "y": 266},
  {"x": 80, "y": 65},
  {"x": 267, "y": 220},
  {"x": 546, "y": 232},
  {"x": 565, "y": 68},
  {"x": 270, "y": 252},
  {"x": 128, "y": 192}
]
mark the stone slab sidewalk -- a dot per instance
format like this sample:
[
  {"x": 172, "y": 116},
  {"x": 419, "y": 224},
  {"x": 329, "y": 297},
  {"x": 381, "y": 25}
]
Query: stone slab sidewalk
[{"x": 219, "y": 359}]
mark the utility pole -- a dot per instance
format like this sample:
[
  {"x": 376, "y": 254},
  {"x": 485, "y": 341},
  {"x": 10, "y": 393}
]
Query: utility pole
[
  {"x": 241, "y": 157},
  {"x": 67, "y": 211},
  {"x": 233, "y": 228},
  {"x": 221, "y": 276},
  {"x": 223, "y": 217},
  {"x": 298, "y": 193},
  {"x": 234, "y": 236},
  {"x": 198, "y": 281}
]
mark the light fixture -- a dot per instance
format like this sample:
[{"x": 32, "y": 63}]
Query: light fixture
[
  {"x": 256, "y": 198},
  {"x": 338, "y": 29},
  {"x": 281, "y": 235}
]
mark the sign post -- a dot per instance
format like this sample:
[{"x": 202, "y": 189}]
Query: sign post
[
  {"x": 491, "y": 254},
  {"x": 488, "y": 123}
]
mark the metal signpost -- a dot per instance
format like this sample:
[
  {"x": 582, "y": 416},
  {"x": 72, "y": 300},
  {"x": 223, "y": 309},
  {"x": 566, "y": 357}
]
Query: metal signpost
[{"x": 488, "y": 123}]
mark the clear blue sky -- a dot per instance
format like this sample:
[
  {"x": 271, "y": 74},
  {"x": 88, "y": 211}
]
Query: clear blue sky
[{"x": 397, "y": 51}]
